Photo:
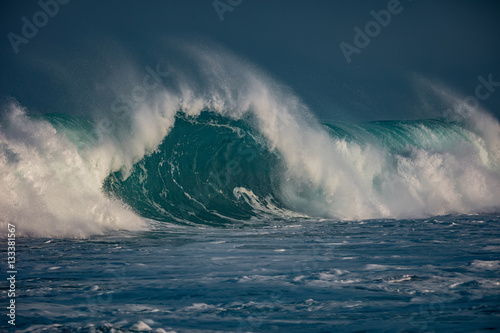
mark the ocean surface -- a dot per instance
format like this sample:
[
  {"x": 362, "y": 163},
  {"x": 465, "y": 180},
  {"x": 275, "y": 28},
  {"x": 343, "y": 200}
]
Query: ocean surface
[
  {"x": 296, "y": 275},
  {"x": 219, "y": 203}
]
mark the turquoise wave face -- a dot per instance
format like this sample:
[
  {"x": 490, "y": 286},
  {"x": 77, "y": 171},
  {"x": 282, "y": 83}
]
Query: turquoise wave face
[{"x": 193, "y": 174}]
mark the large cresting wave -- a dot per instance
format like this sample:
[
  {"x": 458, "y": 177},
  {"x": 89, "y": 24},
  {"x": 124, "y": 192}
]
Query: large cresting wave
[{"x": 227, "y": 145}]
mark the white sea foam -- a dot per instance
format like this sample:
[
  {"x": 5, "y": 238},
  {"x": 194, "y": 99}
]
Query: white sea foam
[
  {"x": 48, "y": 189},
  {"x": 486, "y": 265}
]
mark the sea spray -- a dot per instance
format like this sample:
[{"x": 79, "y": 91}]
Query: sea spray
[
  {"x": 48, "y": 187},
  {"x": 223, "y": 143}
]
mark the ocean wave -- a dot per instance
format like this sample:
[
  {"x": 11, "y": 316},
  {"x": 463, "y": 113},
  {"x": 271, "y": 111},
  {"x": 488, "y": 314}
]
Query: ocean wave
[{"x": 232, "y": 146}]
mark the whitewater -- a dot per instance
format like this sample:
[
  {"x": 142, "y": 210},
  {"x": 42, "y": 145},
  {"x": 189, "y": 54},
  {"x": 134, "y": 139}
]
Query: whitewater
[{"x": 217, "y": 201}]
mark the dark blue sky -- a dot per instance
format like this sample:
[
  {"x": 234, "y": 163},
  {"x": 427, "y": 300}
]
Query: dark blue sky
[{"x": 448, "y": 43}]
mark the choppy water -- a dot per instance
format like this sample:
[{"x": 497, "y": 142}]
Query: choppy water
[{"x": 439, "y": 274}]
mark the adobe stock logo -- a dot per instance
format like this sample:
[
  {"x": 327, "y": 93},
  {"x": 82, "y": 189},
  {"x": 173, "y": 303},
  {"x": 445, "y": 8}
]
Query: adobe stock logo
[
  {"x": 372, "y": 29},
  {"x": 470, "y": 104},
  {"x": 221, "y": 7},
  {"x": 29, "y": 30}
]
